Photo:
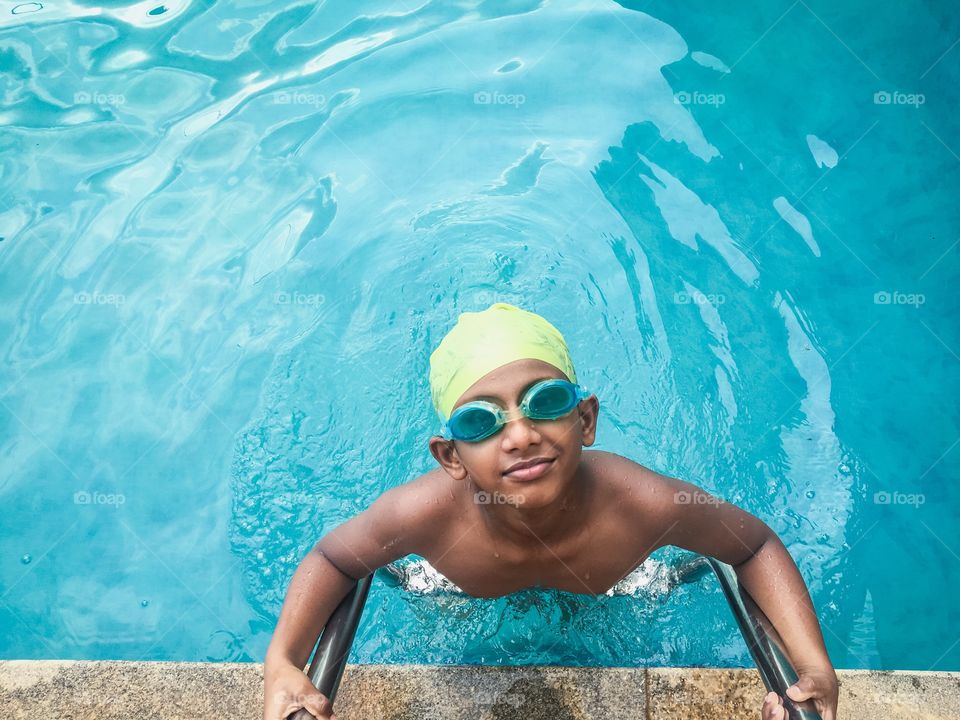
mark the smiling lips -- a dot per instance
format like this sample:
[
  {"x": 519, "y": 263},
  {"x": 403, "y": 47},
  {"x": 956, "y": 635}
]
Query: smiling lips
[{"x": 530, "y": 472}]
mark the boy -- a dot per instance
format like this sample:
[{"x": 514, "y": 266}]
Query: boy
[{"x": 514, "y": 425}]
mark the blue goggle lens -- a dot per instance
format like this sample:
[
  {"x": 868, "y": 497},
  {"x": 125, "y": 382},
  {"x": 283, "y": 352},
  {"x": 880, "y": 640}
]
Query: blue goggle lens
[
  {"x": 548, "y": 400},
  {"x": 552, "y": 401},
  {"x": 474, "y": 423}
]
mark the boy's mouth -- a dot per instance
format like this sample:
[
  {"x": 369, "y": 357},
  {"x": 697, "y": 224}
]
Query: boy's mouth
[{"x": 530, "y": 470}]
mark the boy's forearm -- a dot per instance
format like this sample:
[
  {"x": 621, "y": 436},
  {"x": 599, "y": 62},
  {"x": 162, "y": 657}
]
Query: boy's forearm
[
  {"x": 774, "y": 582},
  {"x": 315, "y": 591}
]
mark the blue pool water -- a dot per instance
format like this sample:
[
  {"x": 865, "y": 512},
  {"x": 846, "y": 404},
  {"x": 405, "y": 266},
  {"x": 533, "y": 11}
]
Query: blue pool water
[{"x": 231, "y": 234}]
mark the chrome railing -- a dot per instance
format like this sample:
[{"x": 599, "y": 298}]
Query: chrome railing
[
  {"x": 330, "y": 657},
  {"x": 763, "y": 642},
  {"x": 762, "y": 639}
]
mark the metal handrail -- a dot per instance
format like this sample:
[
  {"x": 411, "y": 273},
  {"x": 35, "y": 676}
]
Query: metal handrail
[
  {"x": 763, "y": 641},
  {"x": 334, "y": 644}
]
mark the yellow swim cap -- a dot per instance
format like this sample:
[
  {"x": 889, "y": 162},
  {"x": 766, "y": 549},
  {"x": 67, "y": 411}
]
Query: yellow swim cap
[{"x": 483, "y": 341}]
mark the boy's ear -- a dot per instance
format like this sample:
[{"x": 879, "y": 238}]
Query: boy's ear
[
  {"x": 446, "y": 454},
  {"x": 589, "y": 410}
]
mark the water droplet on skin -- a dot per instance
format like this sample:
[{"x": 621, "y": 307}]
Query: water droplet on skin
[
  {"x": 496, "y": 554},
  {"x": 26, "y": 559},
  {"x": 586, "y": 575}
]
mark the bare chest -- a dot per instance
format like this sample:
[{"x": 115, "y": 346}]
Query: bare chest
[{"x": 589, "y": 564}]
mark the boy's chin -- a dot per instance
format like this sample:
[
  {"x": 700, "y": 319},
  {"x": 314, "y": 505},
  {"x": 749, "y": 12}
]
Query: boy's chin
[{"x": 531, "y": 495}]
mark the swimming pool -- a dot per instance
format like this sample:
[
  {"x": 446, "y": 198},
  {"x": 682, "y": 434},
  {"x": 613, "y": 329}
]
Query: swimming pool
[{"x": 232, "y": 234}]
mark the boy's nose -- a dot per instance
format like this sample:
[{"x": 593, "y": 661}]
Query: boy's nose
[
  {"x": 514, "y": 413},
  {"x": 521, "y": 429}
]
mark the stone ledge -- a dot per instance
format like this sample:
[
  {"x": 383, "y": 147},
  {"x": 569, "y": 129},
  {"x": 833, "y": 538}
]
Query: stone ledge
[{"x": 83, "y": 690}]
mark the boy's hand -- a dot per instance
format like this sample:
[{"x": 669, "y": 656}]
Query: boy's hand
[
  {"x": 820, "y": 686},
  {"x": 287, "y": 689}
]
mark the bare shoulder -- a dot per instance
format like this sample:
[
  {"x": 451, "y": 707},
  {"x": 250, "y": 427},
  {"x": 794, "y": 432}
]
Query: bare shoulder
[
  {"x": 640, "y": 494},
  {"x": 398, "y": 522},
  {"x": 623, "y": 474},
  {"x": 681, "y": 513},
  {"x": 420, "y": 505}
]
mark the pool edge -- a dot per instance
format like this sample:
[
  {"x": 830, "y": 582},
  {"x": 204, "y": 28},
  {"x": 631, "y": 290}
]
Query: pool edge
[{"x": 167, "y": 690}]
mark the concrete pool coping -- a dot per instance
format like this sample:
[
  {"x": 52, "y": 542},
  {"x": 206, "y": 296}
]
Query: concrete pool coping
[{"x": 80, "y": 689}]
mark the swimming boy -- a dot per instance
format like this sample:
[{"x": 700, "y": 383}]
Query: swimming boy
[{"x": 517, "y": 503}]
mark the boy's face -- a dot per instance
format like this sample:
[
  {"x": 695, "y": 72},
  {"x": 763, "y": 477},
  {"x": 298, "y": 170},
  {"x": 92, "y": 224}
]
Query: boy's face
[{"x": 521, "y": 439}]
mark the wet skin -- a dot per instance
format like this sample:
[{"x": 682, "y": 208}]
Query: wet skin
[{"x": 581, "y": 526}]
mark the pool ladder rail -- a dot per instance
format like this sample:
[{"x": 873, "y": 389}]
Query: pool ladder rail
[
  {"x": 763, "y": 641},
  {"x": 336, "y": 638}
]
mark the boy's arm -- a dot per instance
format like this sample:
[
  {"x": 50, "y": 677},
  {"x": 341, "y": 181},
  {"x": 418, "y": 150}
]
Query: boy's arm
[
  {"x": 694, "y": 519},
  {"x": 383, "y": 532}
]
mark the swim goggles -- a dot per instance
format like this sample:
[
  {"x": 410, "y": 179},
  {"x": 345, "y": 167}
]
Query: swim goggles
[{"x": 546, "y": 400}]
